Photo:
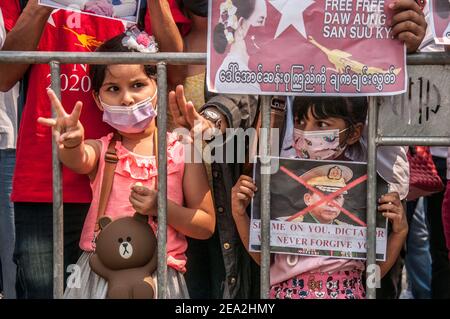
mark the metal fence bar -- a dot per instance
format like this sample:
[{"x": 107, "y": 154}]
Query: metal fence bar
[
  {"x": 428, "y": 58},
  {"x": 31, "y": 57},
  {"x": 371, "y": 194},
  {"x": 265, "y": 198},
  {"x": 410, "y": 141},
  {"x": 162, "y": 180},
  {"x": 55, "y": 58},
  {"x": 58, "y": 217}
]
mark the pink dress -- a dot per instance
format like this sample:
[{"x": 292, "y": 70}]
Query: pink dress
[
  {"x": 313, "y": 277},
  {"x": 130, "y": 169}
]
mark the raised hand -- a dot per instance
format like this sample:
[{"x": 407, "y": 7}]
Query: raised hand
[
  {"x": 67, "y": 129},
  {"x": 408, "y": 23},
  {"x": 185, "y": 115}
]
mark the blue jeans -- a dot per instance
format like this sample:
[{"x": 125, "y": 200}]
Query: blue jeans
[
  {"x": 7, "y": 234},
  {"x": 34, "y": 246},
  {"x": 418, "y": 257}
]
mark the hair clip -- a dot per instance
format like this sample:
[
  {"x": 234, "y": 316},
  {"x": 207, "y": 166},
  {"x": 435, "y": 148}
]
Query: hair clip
[{"x": 140, "y": 41}]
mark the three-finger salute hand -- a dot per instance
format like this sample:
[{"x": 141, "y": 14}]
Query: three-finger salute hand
[{"x": 67, "y": 129}]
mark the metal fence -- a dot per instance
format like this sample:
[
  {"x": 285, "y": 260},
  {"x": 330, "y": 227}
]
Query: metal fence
[{"x": 377, "y": 137}]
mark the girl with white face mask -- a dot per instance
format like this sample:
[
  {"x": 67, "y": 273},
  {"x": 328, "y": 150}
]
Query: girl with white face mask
[
  {"x": 324, "y": 128},
  {"x": 127, "y": 96}
]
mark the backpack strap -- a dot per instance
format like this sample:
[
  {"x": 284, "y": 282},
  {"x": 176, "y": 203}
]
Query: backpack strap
[{"x": 111, "y": 160}]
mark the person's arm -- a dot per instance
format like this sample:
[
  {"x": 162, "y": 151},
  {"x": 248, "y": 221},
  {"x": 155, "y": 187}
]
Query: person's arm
[
  {"x": 391, "y": 207},
  {"x": 238, "y": 110},
  {"x": 196, "y": 219},
  {"x": 25, "y": 36},
  {"x": 241, "y": 195},
  {"x": 74, "y": 152},
  {"x": 234, "y": 110},
  {"x": 168, "y": 37}
]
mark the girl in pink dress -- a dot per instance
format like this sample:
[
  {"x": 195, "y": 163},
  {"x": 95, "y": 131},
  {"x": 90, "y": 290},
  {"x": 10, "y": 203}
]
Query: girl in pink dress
[{"x": 127, "y": 96}]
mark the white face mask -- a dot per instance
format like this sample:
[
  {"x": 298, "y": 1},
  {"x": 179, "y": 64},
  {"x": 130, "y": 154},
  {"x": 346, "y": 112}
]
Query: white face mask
[{"x": 318, "y": 145}]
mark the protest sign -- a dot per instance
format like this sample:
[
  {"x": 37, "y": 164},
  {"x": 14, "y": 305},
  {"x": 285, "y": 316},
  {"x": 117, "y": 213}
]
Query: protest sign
[
  {"x": 318, "y": 208},
  {"x": 304, "y": 47},
  {"x": 126, "y": 10}
]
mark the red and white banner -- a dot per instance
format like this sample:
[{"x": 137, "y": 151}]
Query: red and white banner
[
  {"x": 440, "y": 21},
  {"x": 304, "y": 47}
]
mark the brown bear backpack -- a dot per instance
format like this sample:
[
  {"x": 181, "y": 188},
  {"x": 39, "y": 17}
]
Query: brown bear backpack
[{"x": 125, "y": 254}]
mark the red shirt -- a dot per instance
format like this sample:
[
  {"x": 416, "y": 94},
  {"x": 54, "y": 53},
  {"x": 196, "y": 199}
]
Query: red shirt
[
  {"x": 11, "y": 12},
  {"x": 32, "y": 181}
]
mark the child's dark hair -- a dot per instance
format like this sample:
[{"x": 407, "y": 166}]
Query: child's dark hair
[
  {"x": 98, "y": 72},
  {"x": 352, "y": 110}
]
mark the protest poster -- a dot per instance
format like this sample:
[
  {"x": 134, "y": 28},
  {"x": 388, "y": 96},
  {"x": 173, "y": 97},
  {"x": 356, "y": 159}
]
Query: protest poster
[
  {"x": 125, "y": 10},
  {"x": 440, "y": 21},
  {"x": 318, "y": 208},
  {"x": 304, "y": 47}
]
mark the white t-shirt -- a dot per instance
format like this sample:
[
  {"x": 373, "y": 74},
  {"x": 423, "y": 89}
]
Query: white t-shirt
[{"x": 8, "y": 106}]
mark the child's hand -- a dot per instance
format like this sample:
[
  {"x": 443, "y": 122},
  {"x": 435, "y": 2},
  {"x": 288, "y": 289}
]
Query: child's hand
[
  {"x": 144, "y": 200},
  {"x": 67, "y": 129},
  {"x": 241, "y": 194},
  {"x": 185, "y": 115},
  {"x": 392, "y": 208},
  {"x": 408, "y": 23}
]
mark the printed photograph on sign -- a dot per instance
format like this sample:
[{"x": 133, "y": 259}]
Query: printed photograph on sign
[
  {"x": 440, "y": 21},
  {"x": 318, "y": 208},
  {"x": 304, "y": 47},
  {"x": 126, "y": 10}
]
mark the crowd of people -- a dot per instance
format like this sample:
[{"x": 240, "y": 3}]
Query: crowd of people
[{"x": 113, "y": 108}]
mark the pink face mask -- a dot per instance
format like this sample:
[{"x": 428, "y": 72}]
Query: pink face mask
[
  {"x": 318, "y": 145},
  {"x": 130, "y": 119}
]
